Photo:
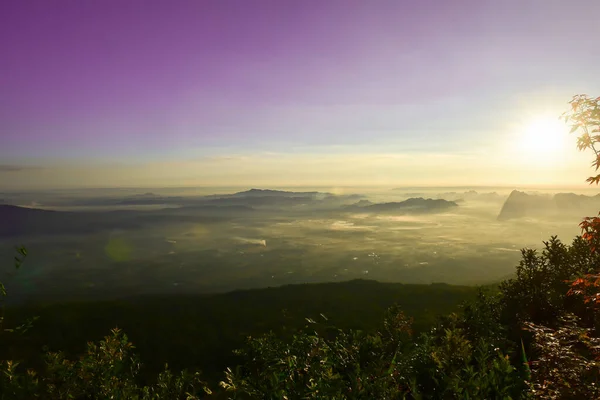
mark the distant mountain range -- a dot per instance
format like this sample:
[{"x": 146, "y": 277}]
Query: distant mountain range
[
  {"x": 413, "y": 205},
  {"x": 459, "y": 196},
  {"x": 23, "y": 221},
  {"x": 278, "y": 193},
  {"x": 252, "y": 197},
  {"x": 520, "y": 204},
  {"x": 470, "y": 195}
]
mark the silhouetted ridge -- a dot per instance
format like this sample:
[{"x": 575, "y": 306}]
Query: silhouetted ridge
[
  {"x": 413, "y": 205},
  {"x": 277, "y": 193},
  {"x": 363, "y": 203},
  {"x": 20, "y": 221},
  {"x": 520, "y": 204},
  {"x": 148, "y": 194}
]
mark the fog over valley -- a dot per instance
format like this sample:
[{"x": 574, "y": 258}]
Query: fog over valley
[{"x": 94, "y": 244}]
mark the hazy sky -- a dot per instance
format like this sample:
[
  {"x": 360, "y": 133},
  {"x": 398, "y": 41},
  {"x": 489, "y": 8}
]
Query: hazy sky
[{"x": 249, "y": 92}]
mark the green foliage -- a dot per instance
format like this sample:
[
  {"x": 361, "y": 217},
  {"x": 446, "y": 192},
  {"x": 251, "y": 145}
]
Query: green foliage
[
  {"x": 386, "y": 365},
  {"x": 107, "y": 370},
  {"x": 347, "y": 365},
  {"x": 200, "y": 332},
  {"x": 18, "y": 261},
  {"x": 538, "y": 293},
  {"x": 453, "y": 363}
]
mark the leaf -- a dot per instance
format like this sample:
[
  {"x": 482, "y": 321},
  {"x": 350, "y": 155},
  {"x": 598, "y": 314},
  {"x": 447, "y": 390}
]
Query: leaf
[{"x": 593, "y": 179}]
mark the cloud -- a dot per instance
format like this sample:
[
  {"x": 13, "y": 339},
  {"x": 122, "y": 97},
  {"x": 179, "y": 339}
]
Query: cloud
[
  {"x": 334, "y": 168},
  {"x": 223, "y": 158},
  {"x": 16, "y": 168}
]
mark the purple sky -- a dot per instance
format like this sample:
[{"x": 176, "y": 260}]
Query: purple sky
[{"x": 134, "y": 82}]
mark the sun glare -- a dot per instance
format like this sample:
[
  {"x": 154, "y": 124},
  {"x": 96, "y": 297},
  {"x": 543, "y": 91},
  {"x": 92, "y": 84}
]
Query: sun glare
[
  {"x": 542, "y": 138},
  {"x": 545, "y": 135}
]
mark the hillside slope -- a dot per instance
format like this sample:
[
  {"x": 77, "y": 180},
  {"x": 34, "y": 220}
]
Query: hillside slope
[{"x": 201, "y": 331}]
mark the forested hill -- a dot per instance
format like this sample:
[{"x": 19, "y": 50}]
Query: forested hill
[{"x": 200, "y": 332}]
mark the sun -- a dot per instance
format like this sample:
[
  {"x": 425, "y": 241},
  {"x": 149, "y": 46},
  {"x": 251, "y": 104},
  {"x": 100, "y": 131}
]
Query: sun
[{"x": 542, "y": 137}]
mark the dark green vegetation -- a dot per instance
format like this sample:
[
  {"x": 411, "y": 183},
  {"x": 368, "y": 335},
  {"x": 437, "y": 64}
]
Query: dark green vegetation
[{"x": 201, "y": 331}]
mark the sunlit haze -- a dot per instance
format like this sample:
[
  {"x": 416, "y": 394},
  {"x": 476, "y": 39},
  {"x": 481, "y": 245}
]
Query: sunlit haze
[{"x": 295, "y": 93}]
